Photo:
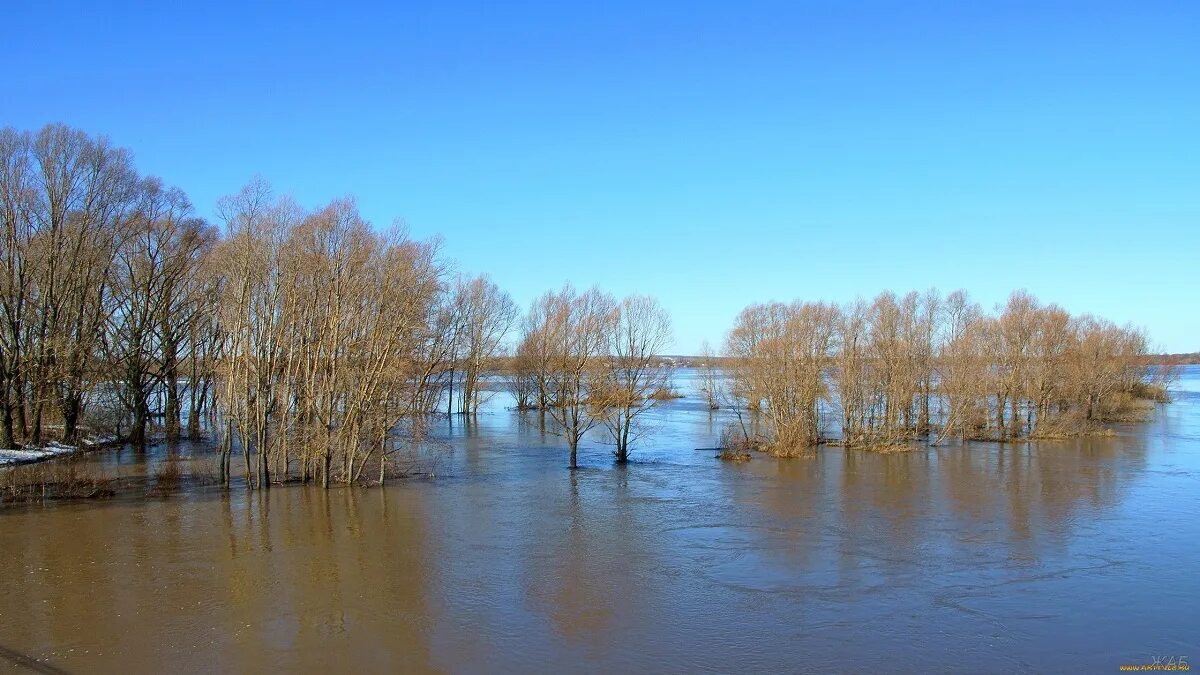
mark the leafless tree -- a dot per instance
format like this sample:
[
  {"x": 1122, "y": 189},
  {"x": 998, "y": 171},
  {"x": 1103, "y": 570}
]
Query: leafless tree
[
  {"x": 710, "y": 383},
  {"x": 319, "y": 343},
  {"x": 917, "y": 366},
  {"x": 488, "y": 314},
  {"x": 155, "y": 263},
  {"x": 639, "y": 334},
  {"x": 779, "y": 352},
  {"x": 573, "y": 333}
]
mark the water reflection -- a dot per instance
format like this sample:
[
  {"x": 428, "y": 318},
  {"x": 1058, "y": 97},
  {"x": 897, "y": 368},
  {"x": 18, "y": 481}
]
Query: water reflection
[{"x": 1012, "y": 555}]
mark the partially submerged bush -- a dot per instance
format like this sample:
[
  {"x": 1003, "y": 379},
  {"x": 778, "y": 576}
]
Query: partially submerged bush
[
  {"x": 1126, "y": 407},
  {"x": 167, "y": 478},
  {"x": 734, "y": 455},
  {"x": 665, "y": 394},
  {"x": 892, "y": 448},
  {"x": 1151, "y": 391},
  {"x": 735, "y": 445},
  {"x": 68, "y": 478}
]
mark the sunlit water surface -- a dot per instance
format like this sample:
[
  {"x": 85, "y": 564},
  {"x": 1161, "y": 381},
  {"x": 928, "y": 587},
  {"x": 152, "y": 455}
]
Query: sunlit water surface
[{"x": 1079, "y": 555}]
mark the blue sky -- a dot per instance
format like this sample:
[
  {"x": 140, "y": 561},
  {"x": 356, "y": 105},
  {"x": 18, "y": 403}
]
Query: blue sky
[{"x": 711, "y": 154}]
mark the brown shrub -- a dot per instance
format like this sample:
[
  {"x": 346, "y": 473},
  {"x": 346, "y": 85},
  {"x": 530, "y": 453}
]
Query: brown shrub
[
  {"x": 167, "y": 478},
  {"x": 665, "y": 394},
  {"x": 735, "y": 446},
  {"x": 67, "y": 478}
]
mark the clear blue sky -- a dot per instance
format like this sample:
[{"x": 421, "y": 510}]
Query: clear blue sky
[{"x": 712, "y": 154}]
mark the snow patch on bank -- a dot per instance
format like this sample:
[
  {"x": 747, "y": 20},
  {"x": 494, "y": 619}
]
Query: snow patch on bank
[
  {"x": 28, "y": 455},
  {"x": 96, "y": 441}
]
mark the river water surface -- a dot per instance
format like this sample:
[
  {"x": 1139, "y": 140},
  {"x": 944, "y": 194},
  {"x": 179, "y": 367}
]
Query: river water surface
[{"x": 1049, "y": 557}]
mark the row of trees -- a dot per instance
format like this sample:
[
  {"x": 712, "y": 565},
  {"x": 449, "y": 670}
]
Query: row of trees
[
  {"x": 314, "y": 344},
  {"x": 587, "y": 359},
  {"x": 98, "y": 285},
  {"x": 310, "y": 341},
  {"x": 926, "y": 366}
]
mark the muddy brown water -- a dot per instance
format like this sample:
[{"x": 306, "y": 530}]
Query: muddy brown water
[{"x": 1050, "y": 557}]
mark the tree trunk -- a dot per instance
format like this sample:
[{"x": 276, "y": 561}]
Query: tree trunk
[
  {"x": 71, "y": 420},
  {"x": 1014, "y": 417},
  {"x": 172, "y": 407},
  {"x": 193, "y": 425},
  {"x": 22, "y": 407},
  {"x": 35, "y": 435},
  {"x": 623, "y": 441},
  {"x": 137, "y": 434},
  {"x": 7, "y": 439},
  {"x": 246, "y": 458},
  {"x": 226, "y": 451},
  {"x": 264, "y": 477},
  {"x": 1000, "y": 417}
]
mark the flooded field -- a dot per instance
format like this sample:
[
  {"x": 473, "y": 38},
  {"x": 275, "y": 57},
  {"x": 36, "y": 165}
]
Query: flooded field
[{"x": 1048, "y": 557}]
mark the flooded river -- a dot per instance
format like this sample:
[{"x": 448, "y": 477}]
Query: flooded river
[{"x": 1050, "y": 557}]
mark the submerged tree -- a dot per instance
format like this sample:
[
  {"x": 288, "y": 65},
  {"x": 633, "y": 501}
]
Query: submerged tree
[
  {"x": 65, "y": 200},
  {"x": 328, "y": 336},
  {"x": 154, "y": 267},
  {"x": 920, "y": 366},
  {"x": 572, "y": 332},
  {"x": 586, "y": 360},
  {"x": 487, "y": 315},
  {"x": 318, "y": 344},
  {"x": 636, "y": 379},
  {"x": 777, "y": 355},
  {"x": 710, "y": 378}
]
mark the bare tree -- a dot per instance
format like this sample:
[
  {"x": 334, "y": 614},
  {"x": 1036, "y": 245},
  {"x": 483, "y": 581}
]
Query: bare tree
[
  {"x": 779, "y": 352},
  {"x": 16, "y": 278},
  {"x": 68, "y": 198},
  {"x": 853, "y": 373},
  {"x": 523, "y": 375},
  {"x": 962, "y": 371},
  {"x": 635, "y": 378},
  {"x": 918, "y": 366},
  {"x": 142, "y": 345},
  {"x": 488, "y": 314},
  {"x": 573, "y": 330},
  {"x": 321, "y": 343},
  {"x": 710, "y": 384},
  {"x": 248, "y": 254}
]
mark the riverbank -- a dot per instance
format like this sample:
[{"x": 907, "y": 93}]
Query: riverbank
[
  {"x": 12, "y": 457},
  {"x": 53, "y": 450}
]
